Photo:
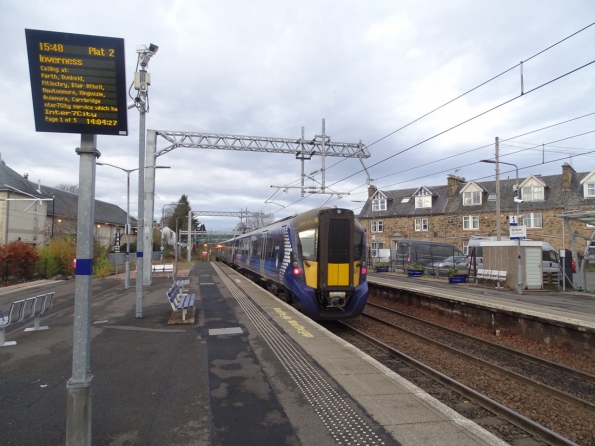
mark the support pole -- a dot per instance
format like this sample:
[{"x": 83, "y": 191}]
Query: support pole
[
  {"x": 149, "y": 203},
  {"x": 140, "y": 235},
  {"x": 497, "y": 158},
  {"x": 189, "y": 247},
  {"x": 127, "y": 230},
  {"x": 78, "y": 387}
]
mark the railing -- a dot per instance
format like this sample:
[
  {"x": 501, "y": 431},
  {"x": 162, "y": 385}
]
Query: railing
[{"x": 22, "y": 270}]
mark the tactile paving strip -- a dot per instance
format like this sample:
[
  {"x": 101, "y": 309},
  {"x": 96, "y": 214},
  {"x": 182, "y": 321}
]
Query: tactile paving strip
[{"x": 344, "y": 425}]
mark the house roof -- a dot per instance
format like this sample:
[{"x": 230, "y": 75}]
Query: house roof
[
  {"x": 64, "y": 204},
  {"x": 555, "y": 197}
]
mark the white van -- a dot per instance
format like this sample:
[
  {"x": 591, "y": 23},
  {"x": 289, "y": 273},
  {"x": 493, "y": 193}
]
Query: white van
[{"x": 550, "y": 257}]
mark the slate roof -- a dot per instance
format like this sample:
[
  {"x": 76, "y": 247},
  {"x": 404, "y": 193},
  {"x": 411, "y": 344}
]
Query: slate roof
[
  {"x": 396, "y": 208},
  {"x": 554, "y": 199},
  {"x": 65, "y": 204}
]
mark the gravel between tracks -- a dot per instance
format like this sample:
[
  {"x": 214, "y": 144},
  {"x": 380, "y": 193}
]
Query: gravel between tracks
[{"x": 557, "y": 416}]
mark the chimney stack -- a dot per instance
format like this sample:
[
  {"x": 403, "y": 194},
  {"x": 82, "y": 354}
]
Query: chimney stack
[
  {"x": 567, "y": 172},
  {"x": 26, "y": 175},
  {"x": 371, "y": 190},
  {"x": 453, "y": 182}
]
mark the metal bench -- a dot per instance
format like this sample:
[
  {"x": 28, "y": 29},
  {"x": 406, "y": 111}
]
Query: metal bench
[
  {"x": 493, "y": 275},
  {"x": 24, "y": 309},
  {"x": 181, "y": 283},
  {"x": 42, "y": 304},
  {"x": 163, "y": 268},
  {"x": 179, "y": 301}
]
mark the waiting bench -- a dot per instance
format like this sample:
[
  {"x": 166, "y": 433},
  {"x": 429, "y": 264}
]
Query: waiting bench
[
  {"x": 179, "y": 301},
  {"x": 492, "y": 275},
  {"x": 162, "y": 268},
  {"x": 32, "y": 307}
]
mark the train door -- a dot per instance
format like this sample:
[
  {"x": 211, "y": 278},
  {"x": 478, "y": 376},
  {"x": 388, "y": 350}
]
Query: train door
[
  {"x": 336, "y": 250},
  {"x": 263, "y": 251}
]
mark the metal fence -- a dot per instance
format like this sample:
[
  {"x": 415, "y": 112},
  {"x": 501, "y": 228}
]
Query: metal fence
[
  {"x": 119, "y": 258},
  {"x": 19, "y": 271}
]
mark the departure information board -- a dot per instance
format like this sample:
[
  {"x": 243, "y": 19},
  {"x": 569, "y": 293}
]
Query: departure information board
[{"x": 78, "y": 83}]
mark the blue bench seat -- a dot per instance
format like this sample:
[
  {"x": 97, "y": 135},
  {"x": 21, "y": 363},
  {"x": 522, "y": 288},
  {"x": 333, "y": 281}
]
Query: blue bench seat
[{"x": 180, "y": 301}]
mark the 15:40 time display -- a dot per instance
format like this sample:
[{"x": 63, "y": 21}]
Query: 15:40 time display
[
  {"x": 57, "y": 47},
  {"x": 102, "y": 121}
]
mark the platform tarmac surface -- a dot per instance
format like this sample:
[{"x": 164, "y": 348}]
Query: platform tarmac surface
[{"x": 248, "y": 371}]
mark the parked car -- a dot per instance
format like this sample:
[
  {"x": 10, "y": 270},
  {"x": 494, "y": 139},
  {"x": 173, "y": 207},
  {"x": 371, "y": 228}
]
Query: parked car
[
  {"x": 423, "y": 252},
  {"x": 443, "y": 265}
]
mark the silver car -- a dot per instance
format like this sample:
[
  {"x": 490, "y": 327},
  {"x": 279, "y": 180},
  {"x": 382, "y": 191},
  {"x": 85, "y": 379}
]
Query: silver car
[{"x": 459, "y": 262}]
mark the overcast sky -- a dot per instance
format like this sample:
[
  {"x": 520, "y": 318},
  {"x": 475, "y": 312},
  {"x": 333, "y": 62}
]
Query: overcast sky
[{"x": 267, "y": 68}]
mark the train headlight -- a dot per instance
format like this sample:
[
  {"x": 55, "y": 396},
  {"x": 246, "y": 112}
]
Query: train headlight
[
  {"x": 363, "y": 268},
  {"x": 296, "y": 269}
]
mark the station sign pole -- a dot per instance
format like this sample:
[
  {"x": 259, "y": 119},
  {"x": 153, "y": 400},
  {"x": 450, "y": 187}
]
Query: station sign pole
[{"x": 78, "y": 85}]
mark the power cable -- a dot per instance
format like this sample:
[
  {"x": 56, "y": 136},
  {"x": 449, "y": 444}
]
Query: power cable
[{"x": 469, "y": 120}]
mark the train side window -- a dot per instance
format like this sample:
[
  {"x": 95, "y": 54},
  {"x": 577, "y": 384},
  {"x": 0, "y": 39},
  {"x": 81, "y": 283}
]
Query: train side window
[
  {"x": 308, "y": 243},
  {"x": 271, "y": 249}
]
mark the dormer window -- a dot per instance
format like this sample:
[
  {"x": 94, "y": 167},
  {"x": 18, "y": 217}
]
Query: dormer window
[
  {"x": 379, "y": 203},
  {"x": 472, "y": 194},
  {"x": 471, "y": 198},
  {"x": 532, "y": 193},
  {"x": 531, "y": 189},
  {"x": 423, "y": 198},
  {"x": 590, "y": 190}
]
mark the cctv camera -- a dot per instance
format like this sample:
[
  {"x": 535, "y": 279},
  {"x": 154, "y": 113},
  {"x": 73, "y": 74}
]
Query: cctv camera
[
  {"x": 131, "y": 104},
  {"x": 150, "y": 49},
  {"x": 518, "y": 200}
]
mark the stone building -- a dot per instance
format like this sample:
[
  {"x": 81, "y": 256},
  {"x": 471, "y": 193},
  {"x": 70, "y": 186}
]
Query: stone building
[{"x": 454, "y": 212}]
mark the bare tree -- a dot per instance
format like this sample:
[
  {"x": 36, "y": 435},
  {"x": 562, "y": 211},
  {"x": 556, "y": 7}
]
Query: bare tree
[
  {"x": 256, "y": 220},
  {"x": 66, "y": 187}
]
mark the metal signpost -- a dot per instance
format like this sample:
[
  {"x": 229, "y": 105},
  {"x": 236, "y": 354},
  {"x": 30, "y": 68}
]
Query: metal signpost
[{"x": 78, "y": 85}]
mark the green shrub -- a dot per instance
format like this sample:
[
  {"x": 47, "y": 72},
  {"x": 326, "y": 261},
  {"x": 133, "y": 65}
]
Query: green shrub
[{"x": 102, "y": 267}]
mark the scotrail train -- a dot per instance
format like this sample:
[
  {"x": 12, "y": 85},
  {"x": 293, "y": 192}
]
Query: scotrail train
[{"x": 317, "y": 259}]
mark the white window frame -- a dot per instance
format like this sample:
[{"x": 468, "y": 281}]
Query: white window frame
[
  {"x": 532, "y": 219},
  {"x": 379, "y": 204},
  {"x": 375, "y": 247},
  {"x": 472, "y": 198},
  {"x": 423, "y": 201},
  {"x": 590, "y": 190},
  {"x": 377, "y": 226},
  {"x": 421, "y": 224},
  {"x": 470, "y": 222},
  {"x": 528, "y": 193}
]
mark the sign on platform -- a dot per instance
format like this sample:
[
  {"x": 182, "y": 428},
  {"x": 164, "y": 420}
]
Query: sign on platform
[
  {"x": 518, "y": 232},
  {"x": 78, "y": 83}
]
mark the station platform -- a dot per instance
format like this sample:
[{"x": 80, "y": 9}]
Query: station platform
[
  {"x": 570, "y": 307},
  {"x": 246, "y": 370}
]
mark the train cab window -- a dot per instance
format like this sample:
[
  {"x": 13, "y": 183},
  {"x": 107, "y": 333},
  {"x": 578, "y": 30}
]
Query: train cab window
[{"x": 308, "y": 242}]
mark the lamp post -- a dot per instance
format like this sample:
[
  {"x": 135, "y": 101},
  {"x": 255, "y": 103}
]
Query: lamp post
[
  {"x": 517, "y": 200},
  {"x": 127, "y": 227}
]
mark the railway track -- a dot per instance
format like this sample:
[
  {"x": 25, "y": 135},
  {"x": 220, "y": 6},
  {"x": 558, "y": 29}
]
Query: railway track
[
  {"x": 566, "y": 384},
  {"x": 537, "y": 398}
]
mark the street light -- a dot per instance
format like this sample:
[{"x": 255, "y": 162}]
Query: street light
[
  {"x": 517, "y": 200},
  {"x": 128, "y": 226}
]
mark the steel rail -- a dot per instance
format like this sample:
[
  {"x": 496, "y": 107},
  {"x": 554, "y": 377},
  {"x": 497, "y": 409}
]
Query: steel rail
[
  {"x": 526, "y": 356},
  {"x": 562, "y": 396},
  {"x": 513, "y": 417}
]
